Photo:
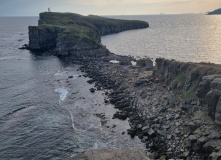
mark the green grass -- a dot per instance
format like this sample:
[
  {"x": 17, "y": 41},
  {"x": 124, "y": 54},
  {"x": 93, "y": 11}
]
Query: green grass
[
  {"x": 188, "y": 94},
  {"x": 82, "y": 29}
]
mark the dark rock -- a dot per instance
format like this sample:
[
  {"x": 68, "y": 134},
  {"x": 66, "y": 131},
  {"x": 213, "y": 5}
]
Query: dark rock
[
  {"x": 92, "y": 90},
  {"x": 141, "y": 82},
  {"x": 203, "y": 89},
  {"x": 131, "y": 132},
  {"x": 70, "y": 76},
  {"x": 212, "y": 98},
  {"x": 90, "y": 81},
  {"x": 151, "y": 132},
  {"x": 139, "y": 126},
  {"x": 215, "y": 156}
]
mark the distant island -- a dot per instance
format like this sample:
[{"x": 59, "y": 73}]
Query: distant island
[{"x": 217, "y": 11}]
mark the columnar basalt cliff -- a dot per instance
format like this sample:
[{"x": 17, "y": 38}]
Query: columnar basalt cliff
[
  {"x": 200, "y": 81},
  {"x": 70, "y": 33}
]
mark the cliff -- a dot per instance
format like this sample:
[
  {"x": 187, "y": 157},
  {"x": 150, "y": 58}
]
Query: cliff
[
  {"x": 70, "y": 33},
  {"x": 217, "y": 11},
  {"x": 195, "y": 82}
]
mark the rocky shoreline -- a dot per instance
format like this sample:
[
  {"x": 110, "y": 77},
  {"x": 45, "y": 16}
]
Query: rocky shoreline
[
  {"x": 174, "y": 107},
  {"x": 171, "y": 126}
]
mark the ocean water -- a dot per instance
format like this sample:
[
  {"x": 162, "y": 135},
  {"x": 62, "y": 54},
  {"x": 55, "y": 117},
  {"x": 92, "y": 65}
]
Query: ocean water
[
  {"x": 189, "y": 38},
  {"x": 43, "y": 113}
]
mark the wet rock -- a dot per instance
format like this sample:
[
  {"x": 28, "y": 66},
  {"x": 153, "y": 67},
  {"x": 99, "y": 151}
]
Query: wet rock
[
  {"x": 70, "y": 76},
  {"x": 92, "y": 90},
  {"x": 90, "y": 81},
  {"x": 131, "y": 132},
  {"x": 120, "y": 115}
]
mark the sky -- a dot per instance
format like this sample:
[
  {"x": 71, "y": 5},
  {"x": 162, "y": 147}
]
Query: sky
[{"x": 107, "y": 7}]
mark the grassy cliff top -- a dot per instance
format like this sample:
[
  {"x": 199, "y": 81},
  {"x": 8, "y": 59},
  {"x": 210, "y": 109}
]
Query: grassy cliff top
[{"x": 86, "y": 29}]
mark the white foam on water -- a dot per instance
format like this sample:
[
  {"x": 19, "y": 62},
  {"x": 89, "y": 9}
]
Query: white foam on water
[
  {"x": 7, "y": 58},
  {"x": 133, "y": 63},
  {"x": 114, "y": 61},
  {"x": 59, "y": 74},
  {"x": 62, "y": 92},
  {"x": 95, "y": 145},
  {"x": 75, "y": 76},
  {"x": 72, "y": 120}
]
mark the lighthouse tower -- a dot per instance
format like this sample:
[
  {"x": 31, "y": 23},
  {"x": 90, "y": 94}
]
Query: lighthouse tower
[{"x": 49, "y": 10}]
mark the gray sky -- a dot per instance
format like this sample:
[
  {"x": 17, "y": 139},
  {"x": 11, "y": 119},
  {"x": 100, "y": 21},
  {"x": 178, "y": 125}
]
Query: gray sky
[{"x": 106, "y": 7}]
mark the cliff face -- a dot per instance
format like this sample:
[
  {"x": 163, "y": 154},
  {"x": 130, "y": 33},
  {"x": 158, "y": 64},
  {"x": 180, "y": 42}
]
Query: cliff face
[
  {"x": 217, "y": 11},
  {"x": 42, "y": 38},
  {"x": 198, "y": 81},
  {"x": 70, "y": 33}
]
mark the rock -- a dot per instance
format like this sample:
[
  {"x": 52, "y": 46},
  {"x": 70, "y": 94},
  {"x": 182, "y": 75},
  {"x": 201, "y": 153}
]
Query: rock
[
  {"x": 90, "y": 81},
  {"x": 145, "y": 62},
  {"x": 92, "y": 90},
  {"x": 131, "y": 132},
  {"x": 141, "y": 82},
  {"x": 169, "y": 137},
  {"x": 215, "y": 156},
  {"x": 173, "y": 100},
  {"x": 120, "y": 115},
  {"x": 203, "y": 89},
  {"x": 212, "y": 98},
  {"x": 151, "y": 132},
  {"x": 212, "y": 146},
  {"x": 145, "y": 128},
  {"x": 186, "y": 154},
  {"x": 218, "y": 113},
  {"x": 139, "y": 126},
  {"x": 70, "y": 76},
  {"x": 106, "y": 101}
]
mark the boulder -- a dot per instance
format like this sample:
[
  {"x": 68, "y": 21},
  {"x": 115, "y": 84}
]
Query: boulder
[
  {"x": 218, "y": 113},
  {"x": 212, "y": 146},
  {"x": 145, "y": 62},
  {"x": 215, "y": 156},
  {"x": 212, "y": 98}
]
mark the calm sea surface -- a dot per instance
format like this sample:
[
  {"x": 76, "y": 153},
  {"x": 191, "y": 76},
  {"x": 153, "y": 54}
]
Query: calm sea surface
[{"x": 189, "y": 38}]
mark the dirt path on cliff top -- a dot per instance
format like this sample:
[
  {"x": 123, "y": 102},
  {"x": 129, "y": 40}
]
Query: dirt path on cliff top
[{"x": 108, "y": 154}]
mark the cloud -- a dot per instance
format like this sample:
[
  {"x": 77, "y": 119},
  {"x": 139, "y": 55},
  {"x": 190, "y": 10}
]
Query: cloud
[{"x": 102, "y": 3}]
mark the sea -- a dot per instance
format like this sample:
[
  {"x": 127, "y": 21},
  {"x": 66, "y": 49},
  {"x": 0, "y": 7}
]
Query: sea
[
  {"x": 187, "y": 38},
  {"x": 46, "y": 108}
]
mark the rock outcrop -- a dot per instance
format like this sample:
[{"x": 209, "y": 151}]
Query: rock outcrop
[
  {"x": 195, "y": 82},
  {"x": 217, "y": 11},
  {"x": 69, "y": 33}
]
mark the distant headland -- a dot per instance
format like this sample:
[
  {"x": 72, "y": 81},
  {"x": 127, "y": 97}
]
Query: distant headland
[{"x": 217, "y": 11}]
